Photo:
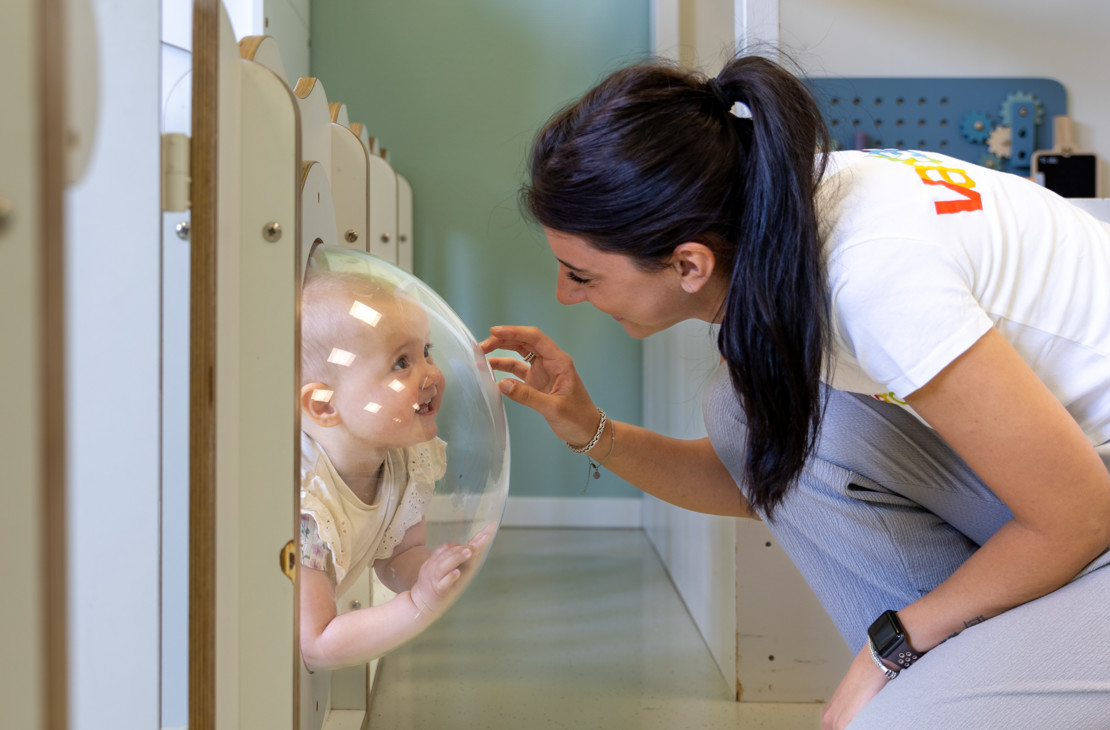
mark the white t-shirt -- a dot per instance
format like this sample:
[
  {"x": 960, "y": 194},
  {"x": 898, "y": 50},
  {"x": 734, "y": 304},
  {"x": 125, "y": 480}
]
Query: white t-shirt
[{"x": 926, "y": 253}]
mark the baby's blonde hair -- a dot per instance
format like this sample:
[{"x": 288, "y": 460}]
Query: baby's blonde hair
[{"x": 326, "y": 301}]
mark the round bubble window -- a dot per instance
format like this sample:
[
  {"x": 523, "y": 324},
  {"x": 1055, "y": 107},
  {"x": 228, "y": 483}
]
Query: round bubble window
[{"x": 404, "y": 453}]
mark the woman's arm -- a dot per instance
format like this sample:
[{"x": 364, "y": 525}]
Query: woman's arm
[
  {"x": 686, "y": 473},
  {"x": 997, "y": 414},
  {"x": 1013, "y": 432}
]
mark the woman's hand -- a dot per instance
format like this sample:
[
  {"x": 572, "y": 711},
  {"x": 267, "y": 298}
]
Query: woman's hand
[
  {"x": 549, "y": 384},
  {"x": 862, "y": 682},
  {"x": 687, "y": 473}
]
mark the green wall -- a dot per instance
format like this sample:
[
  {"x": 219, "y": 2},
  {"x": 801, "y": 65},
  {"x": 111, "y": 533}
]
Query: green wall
[{"x": 456, "y": 89}]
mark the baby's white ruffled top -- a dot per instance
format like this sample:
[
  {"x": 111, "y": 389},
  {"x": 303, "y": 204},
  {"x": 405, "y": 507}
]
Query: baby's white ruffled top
[{"x": 348, "y": 534}]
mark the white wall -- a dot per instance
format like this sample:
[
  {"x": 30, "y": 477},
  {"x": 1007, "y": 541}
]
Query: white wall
[
  {"x": 1064, "y": 40},
  {"x": 113, "y": 229}
]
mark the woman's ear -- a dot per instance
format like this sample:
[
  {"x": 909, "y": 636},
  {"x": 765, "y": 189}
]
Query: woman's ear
[
  {"x": 316, "y": 405},
  {"x": 694, "y": 263}
]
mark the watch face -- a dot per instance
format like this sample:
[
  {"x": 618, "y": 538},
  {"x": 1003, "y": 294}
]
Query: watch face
[{"x": 886, "y": 633}]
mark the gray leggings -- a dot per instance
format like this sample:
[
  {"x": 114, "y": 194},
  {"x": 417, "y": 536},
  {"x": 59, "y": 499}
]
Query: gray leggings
[{"x": 884, "y": 512}]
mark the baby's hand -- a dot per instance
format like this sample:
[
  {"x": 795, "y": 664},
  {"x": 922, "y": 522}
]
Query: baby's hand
[
  {"x": 480, "y": 542},
  {"x": 434, "y": 588}
]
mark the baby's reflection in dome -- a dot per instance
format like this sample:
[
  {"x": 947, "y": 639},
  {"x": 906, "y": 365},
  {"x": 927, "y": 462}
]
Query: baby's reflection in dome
[{"x": 370, "y": 458}]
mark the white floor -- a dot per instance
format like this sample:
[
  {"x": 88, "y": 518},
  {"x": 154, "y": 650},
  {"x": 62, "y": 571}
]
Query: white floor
[{"x": 567, "y": 629}]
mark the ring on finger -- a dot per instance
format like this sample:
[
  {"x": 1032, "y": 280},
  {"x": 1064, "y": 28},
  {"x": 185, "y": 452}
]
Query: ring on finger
[{"x": 529, "y": 357}]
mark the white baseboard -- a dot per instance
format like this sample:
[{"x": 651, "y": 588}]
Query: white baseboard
[
  {"x": 344, "y": 719},
  {"x": 572, "y": 512}
]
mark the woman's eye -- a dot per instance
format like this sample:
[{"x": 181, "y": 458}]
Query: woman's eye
[{"x": 576, "y": 278}]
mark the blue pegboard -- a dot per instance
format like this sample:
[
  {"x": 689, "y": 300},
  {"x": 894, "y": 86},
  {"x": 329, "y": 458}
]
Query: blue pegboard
[{"x": 939, "y": 114}]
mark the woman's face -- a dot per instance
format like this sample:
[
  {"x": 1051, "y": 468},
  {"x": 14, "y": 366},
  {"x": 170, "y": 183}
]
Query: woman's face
[{"x": 644, "y": 302}]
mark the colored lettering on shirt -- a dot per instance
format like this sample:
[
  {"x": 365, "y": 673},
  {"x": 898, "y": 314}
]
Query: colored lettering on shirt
[
  {"x": 890, "y": 398},
  {"x": 933, "y": 172},
  {"x": 971, "y": 200}
]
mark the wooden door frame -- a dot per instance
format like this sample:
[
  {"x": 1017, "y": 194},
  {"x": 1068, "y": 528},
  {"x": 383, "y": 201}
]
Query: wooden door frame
[
  {"x": 204, "y": 195},
  {"x": 52, "y": 452}
]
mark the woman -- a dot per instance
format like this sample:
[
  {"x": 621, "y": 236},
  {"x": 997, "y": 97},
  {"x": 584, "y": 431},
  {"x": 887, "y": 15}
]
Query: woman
[{"x": 917, "y": 397}]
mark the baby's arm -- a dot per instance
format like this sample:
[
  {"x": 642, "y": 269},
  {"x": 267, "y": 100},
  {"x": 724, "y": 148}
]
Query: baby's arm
[
  {"x": 330, "y": 640},
  {"x": 399, "y": 571}
]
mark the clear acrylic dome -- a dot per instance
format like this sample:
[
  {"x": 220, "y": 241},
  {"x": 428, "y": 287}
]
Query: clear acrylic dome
[{"x": 401, "y": 400}]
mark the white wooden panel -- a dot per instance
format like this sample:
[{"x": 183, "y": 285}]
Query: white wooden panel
[
  {"x": 757, "y": 23},
  {"x": 246, "y": 16},
  {"x": 359, "y": 130},
  {"x": 712, "y": 38},
  {"x": 315, "y": 694},
  {"x": 176, "y": 117},
  {"x": 177, "y": 23},
  {"x": 82, "y": 60},
  {"x": 288, "y": 22},
  {"x": 350, "y": 685},
  {"x": 1098, "y": 207},
  {"x": 339, "y": 114},
  {"x": 317, "y": 210},
  {"x": 175, "y": 473},
  {"x": 697, "y": 549},
  {"x": 228, "y": 655},
  {"x": 741, "y": 626},
  {"x": 21, "y": 438},
  {"x": 383, "y": 210},
  {"x": 664, "y": 28},
  {"x": 315, "y": 122},
  {"x": 267, "y": 389},
  {"x": 264, "y": 51},
  {"x": 349, "y": 181},
  {"x": 405, "y": 243},
  {"x": 788, "y": 649}
]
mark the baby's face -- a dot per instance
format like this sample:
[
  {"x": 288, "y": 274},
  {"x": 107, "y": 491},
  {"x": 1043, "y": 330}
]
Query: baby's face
[{"x": 390, "y": 393}]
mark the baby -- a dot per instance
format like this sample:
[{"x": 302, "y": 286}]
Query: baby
[{"x": 369, "y": 462}]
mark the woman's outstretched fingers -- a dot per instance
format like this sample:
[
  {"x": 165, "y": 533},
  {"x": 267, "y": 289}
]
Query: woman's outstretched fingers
[
  {"x": 522, "y": 340},
  {"x": 520, "y": 392},
  {"x": 549, "y": 385},
  {"x": 510, "y": 365}
]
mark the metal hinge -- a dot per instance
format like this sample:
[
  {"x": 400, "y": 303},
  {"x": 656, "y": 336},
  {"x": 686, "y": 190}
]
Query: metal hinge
[{"x": 175, "y": 172}]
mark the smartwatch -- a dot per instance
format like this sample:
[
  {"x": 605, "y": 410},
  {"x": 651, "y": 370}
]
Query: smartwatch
[{"x": 889, "y": 640}]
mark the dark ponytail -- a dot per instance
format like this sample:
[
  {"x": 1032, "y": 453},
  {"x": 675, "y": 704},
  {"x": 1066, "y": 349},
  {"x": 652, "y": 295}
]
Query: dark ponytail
[{"x": 653, "y": 157}]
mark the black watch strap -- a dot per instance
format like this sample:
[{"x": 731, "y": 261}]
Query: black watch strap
[{"x": 891, "y": 642}]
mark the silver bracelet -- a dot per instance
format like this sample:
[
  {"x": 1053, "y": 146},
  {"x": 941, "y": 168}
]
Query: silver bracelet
[
  {"x": 594, "y": 440},
  {"x": 595, "y": 466},
  {"x": 890, "y": 673}
]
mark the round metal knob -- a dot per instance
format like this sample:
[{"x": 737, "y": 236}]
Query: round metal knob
[{"x": 272, "y": 232}]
